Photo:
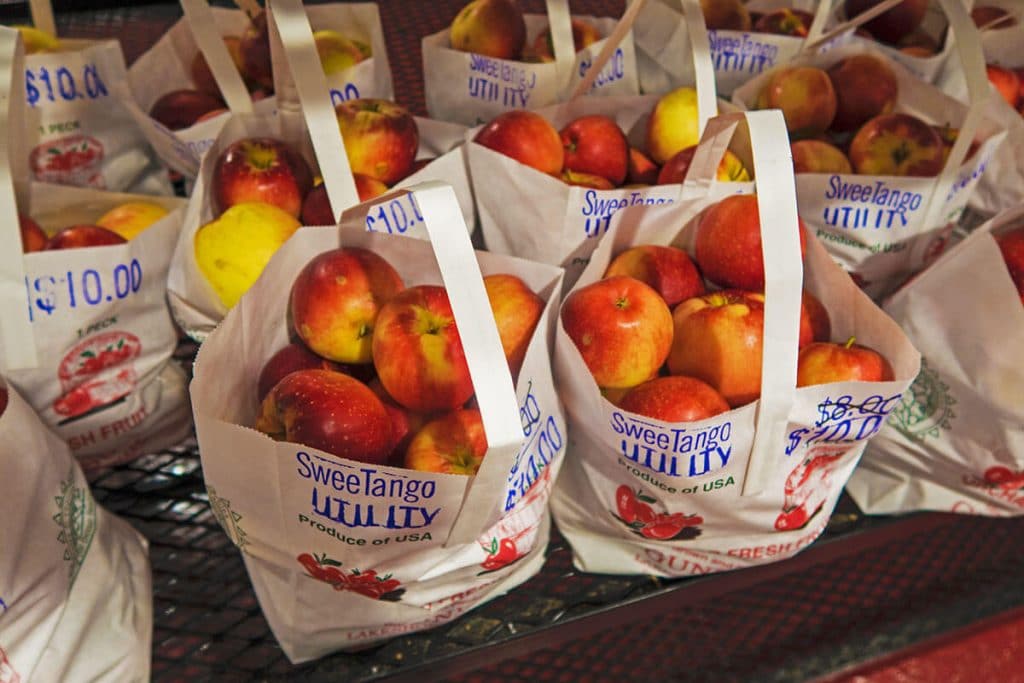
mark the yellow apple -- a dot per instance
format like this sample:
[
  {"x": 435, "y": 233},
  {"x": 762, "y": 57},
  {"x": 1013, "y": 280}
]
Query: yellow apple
[
  {"x": 673, "y": 125},
  {"x": 233, "y": 250},
  {"x": 37, "y": 40},
  {"x": 338, "y": 52},
  {"x": 129, "y": 219}
]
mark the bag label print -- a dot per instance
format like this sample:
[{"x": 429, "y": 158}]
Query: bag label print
[
  {"x": 673, "y": 451},
  {"x": 927, "y": 407},
  {"x": 76, "y": 518},
  {"x": 544, "y": 443},
  {"x": 741, "y": 52},
  {"x": 55, "y": 294},
  {"x": 228, "y": 519}
]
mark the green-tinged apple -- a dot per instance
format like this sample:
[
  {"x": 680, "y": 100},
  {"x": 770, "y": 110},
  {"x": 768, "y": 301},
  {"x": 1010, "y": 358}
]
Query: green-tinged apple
[
  {"x": 669, "y": 270},
  {"x": 727, "y": 244},
  {"x": 76, "y": 236},
  {"x": 526, "y": 137},
  {"x": 381, "y": 138},
  {"x": 622, "y": 328},
  {"x": 260, "y": 169},
  {"x": 131, "y": 218},
  {"x": 818, "y": 156},
  {"x": 32, "y": 236},
  {"x": 806, "y": 97},
  {"x": 517, "y": 310},
  {"x": 1005, "y": 81},
  {"x": 1011, "y": 246},
  {"x": 330, "y": 411},
  {"x": 584, "y": 34},
  {"x": 825, "y": 362},
  {"x": 335, "y": 301},
  {"x": 596, "y": 182},
  {"x": 725, "y": 15},
  {"x": 893, "y": 24},
  {"x": 232, "y": 250},
  {"x": 897, "y": 145},
  {"x": 203, "y": 78},
  {"x": 254, "y": 50},
  {"x": 785, "y": 21},
  {"x": 338, "y": 52},
  {"x": 418, "y": 353},
  {"x": 675, "y": 398},
  {"x": 865, "y": 87},
  {"x": 595, "y": 144},
  {"x": 987, "y": 17},
  {"x": 495, "y": 28},
  {"x": 730, "y": 168},
  {"x": 642, "y": 170},
  {"x": 718, "y": 338},
  {"x": 180, "y": 109},
  {"x": 454, "y": 443},
  {"x": 673, "y": 125},
  {"x": 288, "y": 359}
]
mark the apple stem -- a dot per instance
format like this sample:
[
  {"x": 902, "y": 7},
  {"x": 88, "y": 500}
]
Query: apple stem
[{"x": 849, "y": 342}]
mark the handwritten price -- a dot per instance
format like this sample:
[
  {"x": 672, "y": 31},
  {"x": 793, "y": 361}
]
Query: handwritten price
[
  {"x": 394, "y": 217},
  {"x": 842, "y": 408},
  {"x": 50, "y": 294},
  {"x": 62, "y": 84}
]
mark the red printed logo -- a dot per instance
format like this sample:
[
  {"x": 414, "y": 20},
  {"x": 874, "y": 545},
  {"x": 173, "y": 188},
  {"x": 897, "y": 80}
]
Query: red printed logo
[
  {"x": 368, "y": 583},
  {"x": 97, "y": 372},
  {"x": 807, "y": 488},
  {"x": 500, "y": 553},
  {"x": 635, "y": 510},
  {"x": 70, "y": 160},
  {"x": 7, "y": 672}
]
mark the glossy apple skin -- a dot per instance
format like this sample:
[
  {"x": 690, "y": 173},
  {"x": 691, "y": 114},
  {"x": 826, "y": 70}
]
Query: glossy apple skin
[
  {"x": 381, "y": 138},
  {"x": 725, "y": 15},
  {"x": 330, "y": 411},
  {"x": 893, "y": 24},
  {"x": 622, "y": 328},
  {"x": 404, "y": 422},
  {"x": 590, "y": 180},
  {"x": 254, "y": 50},
  {"x": 897, "y": 145},
  {"x": 180, "y": 109},
  {"x": 668, "y": 270},
  {"x": 806, "y": 97},
  {"x": 526, "y": 137},
  {"x": 495, "y": 28},
  {"x": 32, "y": 236},
  {"x": 261, "y": 170},
  {"x": 641, "y": 170},
  {"x": 1011, "y": 246},
  {"x": 338, "y": 52},
  {"x": 287, "y": 360},
  {"x": 335, "y": 301},
  {"x": 1005, "y": 81},
  {"x": 77, "y": 236},
  {"x": 595, "y": 144},
  {"x": 818, "y": 156},
  {"x": 517, "y": 310},
  {"x": 865, "y": 87},
  {"x": 131, "y": 218},
  {"x": 730, "y": 168},
  {"x": 727, "y": 244},
  {"x": 718, "y": 338},
  {"x": 454, "y": 443},
  {"x": 785, "y": 21},
  {"x": 673, "y": 125},
  {"x": 675, "y": 398},
  {"x": 418, "y": 352},
  {"x": 202, "y": 77},
  {"x": 316, "y": 207},
  {"x": 584, "y": 34},
  {"x": 824, "y": 362}
]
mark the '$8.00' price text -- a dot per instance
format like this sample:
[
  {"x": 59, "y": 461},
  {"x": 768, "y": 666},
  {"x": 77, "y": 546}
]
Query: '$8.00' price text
[
  {"x": 62, "y": 84},
  {"x": 53, "y": 294}
]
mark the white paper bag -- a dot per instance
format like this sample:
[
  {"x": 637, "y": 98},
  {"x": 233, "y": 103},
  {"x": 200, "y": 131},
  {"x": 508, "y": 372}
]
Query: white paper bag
[
  {"x": 435, "y": 558},
  {"x": 955, "y": 442},
  {"x": 754, "y": 484},
  {"x": 883, "y": 229},
  {"x": 471, "y": 89},
  {"x": 91, "y": 350},
  {"x": 75, "y": 597}
]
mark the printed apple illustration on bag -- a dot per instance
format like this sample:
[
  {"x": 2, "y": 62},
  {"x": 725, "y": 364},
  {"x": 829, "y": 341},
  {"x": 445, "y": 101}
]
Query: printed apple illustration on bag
[
  {"x": 807, "y": 487},
  {"x": 97, "y": 372},
  {"x": 366, "y": 582},
  {"x": 70, "y": 160},
  {"x": 634, "y": 509}
]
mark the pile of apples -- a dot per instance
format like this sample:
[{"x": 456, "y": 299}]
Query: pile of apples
[
  {"x": 116, "y": 226},
  {"x": 262, "y": 190},
  {"x": 660, "y": 343},
  {"x": 497, "y": 28},
  {"x": 733, "y": 15},
  {"x": 377, "y": 372},
  {"x": 1011, "y": 246}
]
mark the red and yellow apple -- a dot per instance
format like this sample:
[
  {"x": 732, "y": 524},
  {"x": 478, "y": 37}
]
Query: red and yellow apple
[
  {"x": 667, "y": 269},
  {"x": 825, "y": 362},
  {"x": 338, "y": 52},
  {"x": 286, "y": 360},
  {"x": 815, "y": 322},
  {"x": 818, "y": 156},
  {"x": 180, "y": 109},
  {"x": 725, "y": 15},
  {"x": 1011, "y": 246},
  {"x": 526, "y": 137},
  {"x": 595, "y": 144},
  {"x": 584, "y": 34},
  {"x": 641, "y": 170},
  {"x": 897, "y": 145},
  {"x": 517, "y": 310},
  {"x": 730, "y": 168},
  {"x": 785, "y": 21},
  {"x": 131, "y": 218},
  {"x": 865, "y": 87},
  {"x": 894, "y": 23},
  {"x": 673, "y": 125},
  {"x": 806, "y": 97},
  {"x": 381, "y": 138},
  {"x": 495, "y": 28},
  {"x": 1005, "y": 81},
  {"x": 254, "y": 50},
  {"x": 260, "y": 169},
  {"x": 454, "y": 443},
  {"x": 77, "y": 236},
  {"x": 596, "y": 182},
  {"x": 676, "y": 398},
  {"x": 32, "y": 236}
]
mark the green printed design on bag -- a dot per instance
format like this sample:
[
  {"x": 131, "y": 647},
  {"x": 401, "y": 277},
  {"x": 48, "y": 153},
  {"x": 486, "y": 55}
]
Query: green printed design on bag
[
  {"x": 76, "y": 517},
  {"x": 926, "y": 407},
  {"x": 228, "y": 519}
]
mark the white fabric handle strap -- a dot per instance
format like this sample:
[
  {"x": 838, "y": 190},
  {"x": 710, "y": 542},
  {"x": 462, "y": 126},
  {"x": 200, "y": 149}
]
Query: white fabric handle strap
[
  {"x": 821, "y": 16},
  {"x": 611, "y": 44},
  {"x": 307, "y": 89},
  {"x": 562, "y": 44},
  {"x": 19, "y": 347},
  {"x": 210, "y": 42},
  {"x": 703, "y": 68},
  {"x": 42, "y": 16}
]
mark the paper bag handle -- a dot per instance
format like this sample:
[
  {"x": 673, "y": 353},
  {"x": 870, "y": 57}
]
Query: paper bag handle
[
  {"x": 210, "y": 42},
  {"x": 42, "y": 16},
  {"x": 303, "y": 86},
  {"x": 611, "y": 43},
  {"x": 783, "y": 270},
  {"x": 488, "y": 368},
  {"x": 703, "y": 68},
  {"x": 562, "y": 44},
  {"x": 19, "y": 346}
]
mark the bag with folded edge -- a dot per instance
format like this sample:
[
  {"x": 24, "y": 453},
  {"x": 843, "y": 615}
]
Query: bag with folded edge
[
  {"x": 81, "y": 134},
  {"x": 884, "y": 229},
  {"x": 305, "y": 120},
  {"x": 344, "y": 554},
  {"x": 754, "y": 484},
  {"x": 76, "y": 602},
  {"x": 530, "y": 214},
  {"x": 91, "y": 351},
  {"x": 955, "y": 442},
  {"x": 166, "y": 67},
  {"x": 470, "y": 88}
]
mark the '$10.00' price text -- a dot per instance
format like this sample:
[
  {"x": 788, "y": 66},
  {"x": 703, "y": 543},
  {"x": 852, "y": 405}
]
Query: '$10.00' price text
[
  {"x": 43, "y": 84},
  {"x": 54, "y": 294}
]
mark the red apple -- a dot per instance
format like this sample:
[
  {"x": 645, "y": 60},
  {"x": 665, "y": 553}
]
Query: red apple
[
  {"x": 32, "y": 236},
  {"x": 825, "y": 362},
  {"x": 526, "y": 137},
  {"x": 1011, "y": 246},
  {"x": 517, "y": 310},
  {"x": 381, "y": 138},
  {"x": 806, "y": 97},
  {"x": 260, "y": 170},
  {"x": 335, "y": 301},
  {"x": 3, "y": 400},
  {"x": 815, "y": 322},
  {"x": 404, "y": 422},
  {"x": 182, "y": 108},
  {"x": 77, "y": 236},
  {"x": 254, "y": 50},
  {"x": 727, "y": 243},
  {"x": 622, "y": 328},
  {"x": 642, "y": 170},
  {"x": 989, "y": 17},
  {"x": 1005, "y": 81},
  {"x": 316, "y": 207},
  {"x": 452, "y": 444},
  {"x": 596, "y": 182},
  {"x": 891, "y": 25},
  {"x": 595, "y": 144},
  {"x": 785, "y": 21},
  {"x": 730, "y": 168},
  {"x": 330, "y": 411},
  {"x": 584, "y": 34},
  {"x": 718, "y": 338},
  {"x": 725, "y": 15},
  {"x": 495, "y": 28},
  {"x": 418, "y": 353},
  {"x": 287, "y": 360},
  {"x": 667, "y": 269},
  {"x": 948, "y": 135},
  {"x": 897, "y": 145},
  {"x": 865, "y": 87},
  {"x": 818, "y": 156},
  {"x": 675, "y": 398}
]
